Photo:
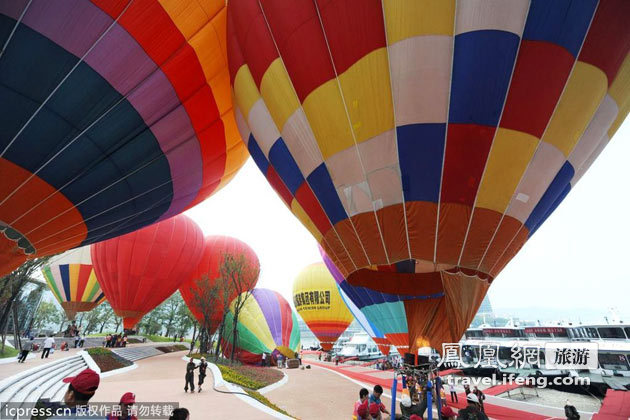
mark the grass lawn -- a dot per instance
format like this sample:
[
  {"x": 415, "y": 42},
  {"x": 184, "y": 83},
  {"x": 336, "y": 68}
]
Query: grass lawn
[{"x": 8, "y": 352}]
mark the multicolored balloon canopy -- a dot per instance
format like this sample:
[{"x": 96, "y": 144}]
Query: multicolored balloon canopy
[
  {"x": 116, "y": 114},
  {"x": 422, "y": 143},
  {"x": 266, "y": 324},
  {"x": 357, "y": 292},
  {"x": 317, "y": 300},
  {"x": 139, "y": 270},
  {"x": 205, "y": 275},
  {"x": 73, "y": 282}
]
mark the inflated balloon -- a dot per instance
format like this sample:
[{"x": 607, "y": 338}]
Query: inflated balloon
[
  {"x": 139, "y": 270},
  {"x": 73, "y": 282},
  {"x": 423, "y": 142},
  {"x": 344, "y": 288},
  {"x": 266, "y": 324},
  {"x": 209, "y": 270},
  {"x": 115, "y": 115},
  {"x": 317, "y": 300}
]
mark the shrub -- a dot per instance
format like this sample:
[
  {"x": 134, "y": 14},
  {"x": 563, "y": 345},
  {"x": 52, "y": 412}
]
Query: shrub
[{"x": 170, "y": 349}]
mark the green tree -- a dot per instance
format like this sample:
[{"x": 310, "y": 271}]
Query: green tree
[
  {"x": 11, "y": 287},
  {"x": 242, "y": 276},
  {"x": 47, "y": 314}
]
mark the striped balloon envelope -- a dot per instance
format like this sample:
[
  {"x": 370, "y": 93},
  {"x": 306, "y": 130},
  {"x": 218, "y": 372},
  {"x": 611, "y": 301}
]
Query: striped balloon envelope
[
  {"x": 266, "y": 324},
  {"x": 344, "y": 289},
  {"x": 317, "y": 300},
  {"x": 423, "y": 142},
  {"x": 115, "y": 114},
  {"x": 72, "y": 280}
]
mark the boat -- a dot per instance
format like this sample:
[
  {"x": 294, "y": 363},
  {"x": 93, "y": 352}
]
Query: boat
[{"x": 360, "y": 347}]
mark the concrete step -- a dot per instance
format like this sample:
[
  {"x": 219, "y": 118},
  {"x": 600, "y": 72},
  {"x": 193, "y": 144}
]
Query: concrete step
[
  {"x": 34, "y": 383},
  {"x": 136, "y": 353}
]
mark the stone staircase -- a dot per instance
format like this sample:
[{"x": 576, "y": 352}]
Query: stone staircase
[
  {"x": 137, "y": 353},
  {"x": 40, "y": 382}
]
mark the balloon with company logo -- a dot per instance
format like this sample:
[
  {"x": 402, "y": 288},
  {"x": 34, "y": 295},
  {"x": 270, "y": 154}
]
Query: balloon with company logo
[
  {"x": 266, "y": 324},
  {"x": 362, "y": 296},
  {"x": 197, "y": 290},
  {"x": 115, "y": 115},
  {"x": 317, "y": 300},
  {"x": 139, "y": 270},
  {"x": 423, "y": 142},
  {"x": 71, "y": 279}
]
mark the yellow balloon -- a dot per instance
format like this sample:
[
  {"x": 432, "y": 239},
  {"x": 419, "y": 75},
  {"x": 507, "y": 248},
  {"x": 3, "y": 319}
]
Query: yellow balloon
[{"x": 317, "y": 300}]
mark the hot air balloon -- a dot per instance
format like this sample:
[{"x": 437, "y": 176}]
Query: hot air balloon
[
  {"x": 115, "y": 115},
  {"x": 139, "y": 270},
  {"x": 72, "y": 281},
  {"x": 214, "y": 252},
  {"x": 423, "y": 142},
  {"x": 266, "y": 324},
  {"x": 317, "y": 300},
  {"x": 372, "y": 330}
]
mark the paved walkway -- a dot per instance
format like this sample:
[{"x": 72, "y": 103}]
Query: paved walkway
[
  {"x": 318, "y": 393},
  {"x": 161, "y": 379}
]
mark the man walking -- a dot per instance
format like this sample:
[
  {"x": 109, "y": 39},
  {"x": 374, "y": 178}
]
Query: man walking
[
  {"x": 27, "y": 346},
  {"x": 190, "y": 376},
  {"x": 48, "y": 343},
  {"x": 202, "y": 372}
]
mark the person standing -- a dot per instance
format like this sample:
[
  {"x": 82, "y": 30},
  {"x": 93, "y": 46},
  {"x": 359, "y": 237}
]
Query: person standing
[
  {"x": 190, "y": 376},
  {"x": 263, "y": 359},
  {"x": 77, "y": 337},
  {"x": 27, "y": 346},
  {"x": 451, "y": 388},
  {"x": 48, "y": 343},
  {"x": 481, "y": 397},
  {"x": 202, "y": 372}
]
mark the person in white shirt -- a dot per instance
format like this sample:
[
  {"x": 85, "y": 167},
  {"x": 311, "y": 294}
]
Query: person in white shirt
[{"x": 48, "y": 343}]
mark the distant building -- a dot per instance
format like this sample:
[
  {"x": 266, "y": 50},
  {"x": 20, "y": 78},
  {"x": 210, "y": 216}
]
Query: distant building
[{"x": 486, "y": 308}]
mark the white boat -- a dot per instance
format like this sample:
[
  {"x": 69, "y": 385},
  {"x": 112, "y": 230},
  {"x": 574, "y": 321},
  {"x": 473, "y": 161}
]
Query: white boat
[{"x": 360, "y": 347}]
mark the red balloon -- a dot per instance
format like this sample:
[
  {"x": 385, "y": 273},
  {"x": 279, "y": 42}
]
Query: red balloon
[
  {"x": 139, "y": 270},
  {"x": 209, "y": 266}
]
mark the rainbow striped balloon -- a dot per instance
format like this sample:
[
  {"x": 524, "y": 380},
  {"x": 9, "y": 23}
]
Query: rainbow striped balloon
[
  {"x": 266, "y": 324},
  {"x": 72, "y": 280}
]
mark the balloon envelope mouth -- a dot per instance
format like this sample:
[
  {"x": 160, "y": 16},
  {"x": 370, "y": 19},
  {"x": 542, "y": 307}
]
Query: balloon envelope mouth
[{"x": 427, "y": 284}]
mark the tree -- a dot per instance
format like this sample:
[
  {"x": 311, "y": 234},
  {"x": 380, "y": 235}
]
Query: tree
[
  {"x": 242, "y": 276},
  {"x": 11, "y": 287},
  {"x": 48, "y": 313},
  {"x": 205, "y": 300}
]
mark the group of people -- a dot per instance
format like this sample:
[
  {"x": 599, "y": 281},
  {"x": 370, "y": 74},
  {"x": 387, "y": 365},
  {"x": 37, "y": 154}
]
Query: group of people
[
  {"x": 115, "y": 340},
  {"x": 190, "y": 374},
  {"x": 413, "y": 404},
  {"x": 81, "y": 388},
  {"x": 369, "y": 406}
]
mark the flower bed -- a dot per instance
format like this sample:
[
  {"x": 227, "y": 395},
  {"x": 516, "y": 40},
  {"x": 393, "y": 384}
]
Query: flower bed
[
  {"x": 170, "y": 349},
  {"x": 107, "y": 360}
]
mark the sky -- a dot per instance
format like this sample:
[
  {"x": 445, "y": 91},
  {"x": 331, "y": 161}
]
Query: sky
[{"x": 572, "y": 268}]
